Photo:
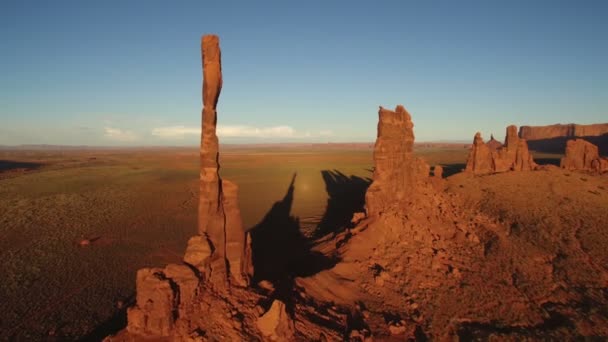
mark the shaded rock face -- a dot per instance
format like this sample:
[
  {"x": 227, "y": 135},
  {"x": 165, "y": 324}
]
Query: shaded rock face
[
  {"x": 583, "y": 155},
  {"x": 396, "y": 171},
  {"x": 512, "y": 156}
]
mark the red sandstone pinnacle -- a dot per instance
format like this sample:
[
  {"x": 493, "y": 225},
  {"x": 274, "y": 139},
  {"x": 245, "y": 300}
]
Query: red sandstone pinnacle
[
  {"x": 396, "y": 171},
  {"x": 582, "y": 155},
  {"x": 219, "y": 216}
]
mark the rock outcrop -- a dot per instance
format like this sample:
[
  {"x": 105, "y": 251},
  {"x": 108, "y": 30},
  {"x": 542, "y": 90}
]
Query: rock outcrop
[
  {"x": 583, "y": 155},
  {"x": 396, "y": 170},
  {"x": 512, "y": 156},
  {"x": 275, "y": 324}
]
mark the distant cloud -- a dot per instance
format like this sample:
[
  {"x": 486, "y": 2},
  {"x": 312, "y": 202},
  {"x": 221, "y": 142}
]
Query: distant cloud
[
  {"x": 235, "y": 131},
  {"x": 255, "y": 132},
  {"x": 175, "y": 132},
  {"x": 119, "y": 134}
]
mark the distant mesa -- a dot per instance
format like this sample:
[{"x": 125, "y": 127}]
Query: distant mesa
[
  {"x": 553, "y": 138},
  {"x": 558, "y": 130}
]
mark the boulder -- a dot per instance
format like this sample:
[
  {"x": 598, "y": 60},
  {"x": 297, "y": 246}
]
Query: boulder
[
  {"x": 275, "y": 324},
  {"x": 153, "y": 314}
]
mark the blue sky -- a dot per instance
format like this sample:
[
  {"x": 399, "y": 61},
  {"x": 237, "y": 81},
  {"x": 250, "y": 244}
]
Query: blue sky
[{"x": 129, "y": 72}]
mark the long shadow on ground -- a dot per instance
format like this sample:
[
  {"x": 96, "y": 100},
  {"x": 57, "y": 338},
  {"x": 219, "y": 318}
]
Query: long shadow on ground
[
  {"x": 8, "y": 165},
  {"x": 112, "y": 325},
  {"x": 547, "y": 161},
  {"x": 346, "y": 197},
  {"x": 281, "y": 252},
  {"x": 452, "y": 169}
]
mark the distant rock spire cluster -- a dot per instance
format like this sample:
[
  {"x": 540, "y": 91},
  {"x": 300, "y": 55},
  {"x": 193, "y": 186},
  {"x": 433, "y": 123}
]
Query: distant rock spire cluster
[{"x": 488, "y": 158}]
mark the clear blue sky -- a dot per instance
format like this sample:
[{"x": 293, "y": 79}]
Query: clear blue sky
[{"x": 129, "y": 72}]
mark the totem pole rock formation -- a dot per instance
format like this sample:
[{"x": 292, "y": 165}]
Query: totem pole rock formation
[
  {"x": 219, "y": 217},
  {"x": 219, "y": 256},
  {"x": 396, "y": 171},
  {"x": 583, "y": 155},
  {"x": 512, "y": 156}
]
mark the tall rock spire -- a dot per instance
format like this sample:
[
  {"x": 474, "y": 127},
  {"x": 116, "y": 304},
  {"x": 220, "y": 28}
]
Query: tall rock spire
[{"x": 219, "y": 217}]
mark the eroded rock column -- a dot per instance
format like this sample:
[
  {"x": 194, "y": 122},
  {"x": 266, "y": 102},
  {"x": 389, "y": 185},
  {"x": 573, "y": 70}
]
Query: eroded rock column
[
  {"x": 219, "y": 218},
  {"x": 396, "y": 169}
]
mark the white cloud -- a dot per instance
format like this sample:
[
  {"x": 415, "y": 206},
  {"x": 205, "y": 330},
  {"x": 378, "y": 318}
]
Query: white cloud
[
  {"x": 227, "y": 131},
  {"x": 175, "y": 132},
  {"x": 237, "y": 131},
  {"x": 255, "y": 132},
  {"x": 119, "y": 134}
]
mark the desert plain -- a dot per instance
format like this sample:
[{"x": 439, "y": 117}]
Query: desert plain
[{"x": 78, "y": 223}]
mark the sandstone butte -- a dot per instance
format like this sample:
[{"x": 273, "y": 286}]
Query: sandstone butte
[
  {"x": 512, "y": 156},
  {"x": 583, "y": 155},
  {"x": 419, "y": 264}
]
